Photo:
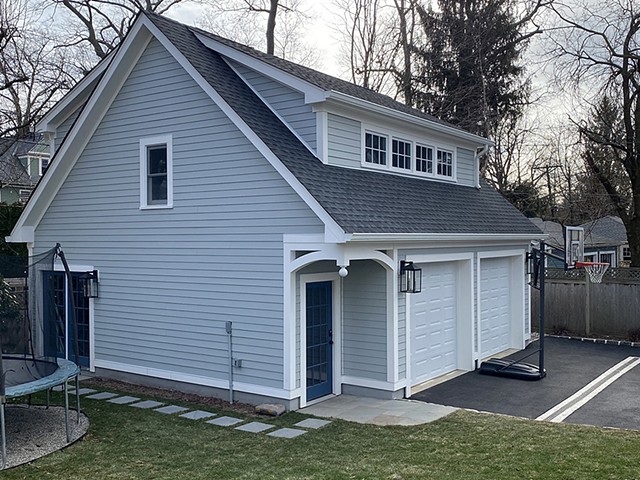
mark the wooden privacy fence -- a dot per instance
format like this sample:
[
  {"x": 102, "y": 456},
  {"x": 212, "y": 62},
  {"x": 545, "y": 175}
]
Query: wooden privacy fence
[{"x": 579, "y": 307}]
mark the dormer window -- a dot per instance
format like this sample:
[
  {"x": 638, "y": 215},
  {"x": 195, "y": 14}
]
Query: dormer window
[
  {"x": 375, "y": 150},
  {"x": 445, "y": 163},
  {"x": 416, "y": 156},
  {"x": 424, "y": 159},
  {"x": 401, "y": 154}
]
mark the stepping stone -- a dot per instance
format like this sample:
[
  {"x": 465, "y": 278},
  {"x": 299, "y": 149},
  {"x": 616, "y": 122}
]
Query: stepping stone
[
  {"x": 123, "y": 400},
  {"x": 198, "y": 415},
  {"x": 255, "y": 427},
  {"x": 225, "y": 421},
  {"x": 147, "y": 404},
  {"x": 170, "y": 409},
  {"x": 102, "y": 396},
  {"x": 287, "y": 433},
  {"x": 85, "y": 391},
  {"x": 312, "y": 423}
]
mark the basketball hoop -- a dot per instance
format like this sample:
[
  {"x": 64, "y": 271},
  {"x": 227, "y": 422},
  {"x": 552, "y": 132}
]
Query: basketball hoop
[{"x": 595, "y": 270}]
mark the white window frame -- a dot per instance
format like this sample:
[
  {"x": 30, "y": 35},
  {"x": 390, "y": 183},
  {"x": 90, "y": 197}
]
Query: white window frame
[
  {"x": 438, "y": 161},
  {"x": 411, "y": 154},
  {"x": 414, "y": 141},
  {"x": 42, "y": 169},
  {"x": 387, "y": 157},
  {"x": 433, "y": 158},
  {"x": 144, "y": 144},
  {"x": 626, "y": 253},
  {"x": 608, "y": 252}
]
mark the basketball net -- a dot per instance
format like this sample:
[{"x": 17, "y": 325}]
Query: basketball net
[{"x": 596, "y": 270}]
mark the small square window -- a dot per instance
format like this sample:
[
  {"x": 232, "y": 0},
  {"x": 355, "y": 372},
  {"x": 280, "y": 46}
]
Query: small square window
[
  {"x": 375, "y": 149},
  {"x": 44, "y": 163},
  {"x": 424, "y": 159},
  {"x": 626, "y": 253},
  {"x": 401, "y": 154},
  {"x": 156, "y": 185},
  {"x": 445, "y": 163}
]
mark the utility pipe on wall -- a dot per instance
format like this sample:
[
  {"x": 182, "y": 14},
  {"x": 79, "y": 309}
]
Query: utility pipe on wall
[{"x": 229, "y": 328}]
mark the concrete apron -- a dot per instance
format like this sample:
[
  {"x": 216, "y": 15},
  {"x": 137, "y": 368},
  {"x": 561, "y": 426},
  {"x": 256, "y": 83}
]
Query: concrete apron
[{"x": 378, "y": 412}]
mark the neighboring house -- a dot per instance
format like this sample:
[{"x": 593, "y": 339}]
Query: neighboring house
[
  {"x": 207, "y": 182},
  {"x": 22, "y": 163},
  {"x": 605, "y": 241}
]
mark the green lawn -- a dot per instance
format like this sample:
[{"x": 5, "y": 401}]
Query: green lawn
[{"x": 127, "y": 443}]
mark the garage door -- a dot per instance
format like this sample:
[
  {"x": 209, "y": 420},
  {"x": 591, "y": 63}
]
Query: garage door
[
  {"x": 495, "y": 312},
  {"x": 433, "y": 322}
]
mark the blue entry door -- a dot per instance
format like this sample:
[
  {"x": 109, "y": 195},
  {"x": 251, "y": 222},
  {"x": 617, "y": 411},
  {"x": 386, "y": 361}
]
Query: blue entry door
[
  {"x": 58, "y": 318},
  {"x": 319, "y": 339}
]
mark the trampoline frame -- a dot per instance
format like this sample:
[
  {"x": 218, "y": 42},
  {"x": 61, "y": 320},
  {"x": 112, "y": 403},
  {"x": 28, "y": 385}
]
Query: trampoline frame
[{"x": 66, "y": 370}]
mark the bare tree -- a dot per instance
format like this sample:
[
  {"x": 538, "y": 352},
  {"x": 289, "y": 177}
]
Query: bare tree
[
  {"x": 101, "y": 24},
  {"x": 598, "y": 45},
  {"x": 274, "y": 26},
  {"x": 32, "y": 69}
]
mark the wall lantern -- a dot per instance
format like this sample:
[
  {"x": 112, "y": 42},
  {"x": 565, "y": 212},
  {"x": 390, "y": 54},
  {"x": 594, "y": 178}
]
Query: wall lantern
[
  {"x": 410, "y": 278},
  {"x": 90, "y": 284}
]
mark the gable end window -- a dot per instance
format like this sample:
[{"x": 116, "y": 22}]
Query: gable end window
[
  {"x": 156, "y": 172},
  {"x": 401, "y": 154},
  {"x": 375, "y": 149}
]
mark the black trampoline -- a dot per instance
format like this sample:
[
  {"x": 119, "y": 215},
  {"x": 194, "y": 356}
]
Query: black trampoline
[{"x": 36, "y": 354}]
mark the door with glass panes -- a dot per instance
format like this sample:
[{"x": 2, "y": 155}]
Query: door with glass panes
[{"x": 59, "y": 321}]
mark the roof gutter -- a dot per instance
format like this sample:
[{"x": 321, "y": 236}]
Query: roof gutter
[
  {"x": 374, "y": 107},
  {"x": 444, "y": 237}
]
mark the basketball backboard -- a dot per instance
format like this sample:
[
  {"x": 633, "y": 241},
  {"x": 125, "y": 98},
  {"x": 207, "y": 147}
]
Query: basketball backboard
[{"x": 573, "y": 246}]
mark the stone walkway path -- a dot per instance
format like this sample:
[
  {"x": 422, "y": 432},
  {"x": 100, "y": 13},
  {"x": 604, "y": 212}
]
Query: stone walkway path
[{"x": 238, "y": 423}]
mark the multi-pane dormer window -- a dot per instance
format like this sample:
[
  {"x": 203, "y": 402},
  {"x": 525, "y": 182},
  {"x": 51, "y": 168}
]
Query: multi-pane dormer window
[
  {"x": 424, "y": 159},
  {"x": 408, "y": 154},
  {"x": 445, "y": 163},
  {"x": 375, "y": 149},
  {"x": 401, "y": 154}
]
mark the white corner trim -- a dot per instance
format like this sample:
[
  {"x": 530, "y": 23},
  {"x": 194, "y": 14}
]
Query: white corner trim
[
  {"x": 311, "y": 92},
  {"x": 194, "y": 379},
  {"x": 333, "y": 232}
]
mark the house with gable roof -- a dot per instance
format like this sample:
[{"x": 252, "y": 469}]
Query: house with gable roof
[{"x": 207, "y": 183}]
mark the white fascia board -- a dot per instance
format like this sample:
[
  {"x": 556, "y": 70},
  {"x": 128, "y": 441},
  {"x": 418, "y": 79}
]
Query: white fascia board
[
  {"x": 65, "y": 158},
  {"x": 312, "y": 93},
  {"x": 333, "y": 232},
  {"x": 78, "y": 95},
  {"x": 343, "y": 98},
  {"x": 442, "y": 237}
]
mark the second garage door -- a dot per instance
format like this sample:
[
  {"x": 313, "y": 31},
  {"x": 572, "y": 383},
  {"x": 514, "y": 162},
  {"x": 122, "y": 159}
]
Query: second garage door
[
  {"x": 433, "y": 322},
  {"x": 495, "y": 312}
]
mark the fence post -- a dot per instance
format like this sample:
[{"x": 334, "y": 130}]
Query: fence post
[{"x": 587, "y": 308}]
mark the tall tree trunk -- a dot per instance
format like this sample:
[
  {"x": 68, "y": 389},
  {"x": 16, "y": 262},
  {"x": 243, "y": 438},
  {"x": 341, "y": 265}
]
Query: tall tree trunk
[{"x": 271, "y": 27}]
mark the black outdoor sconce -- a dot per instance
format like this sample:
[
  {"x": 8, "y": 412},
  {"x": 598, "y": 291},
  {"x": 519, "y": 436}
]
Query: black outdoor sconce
[
  {"x": 410, "y": 278},
  {"x": 90, "y": 284}
]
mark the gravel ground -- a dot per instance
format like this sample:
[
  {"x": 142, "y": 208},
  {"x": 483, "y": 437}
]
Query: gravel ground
[{"x": 33, "y": 432}]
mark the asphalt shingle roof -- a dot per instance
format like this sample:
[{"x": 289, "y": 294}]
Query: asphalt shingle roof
[
  {"x": 360, "y": 201},
  {"x": 607, "y": 230}
]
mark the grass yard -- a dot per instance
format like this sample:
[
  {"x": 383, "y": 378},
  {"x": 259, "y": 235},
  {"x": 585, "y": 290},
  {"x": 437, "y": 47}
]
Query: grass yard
[{"x": 128, "y": 443}]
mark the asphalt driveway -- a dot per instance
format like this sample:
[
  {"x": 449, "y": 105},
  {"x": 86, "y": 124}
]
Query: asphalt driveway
[{"x": 570, "y": 365}]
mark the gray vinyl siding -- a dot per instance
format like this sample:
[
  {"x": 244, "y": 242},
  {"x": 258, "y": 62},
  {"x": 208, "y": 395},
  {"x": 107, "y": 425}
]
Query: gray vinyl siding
[
  {"x": 64, "y": 127},
  {"x": 344, "y": 145},
  {"x": 169, "y": 279},
  {"x": 287, "y": 102},
  {"x": 364, "y": 321},
  {"x": 402, "y": 336},
  {"x": 465, "y": 167}
]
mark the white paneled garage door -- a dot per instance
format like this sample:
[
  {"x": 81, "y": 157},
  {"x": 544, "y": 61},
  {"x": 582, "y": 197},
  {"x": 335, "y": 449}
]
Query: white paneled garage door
[
  {"x": 433, "y": 322},
  {"x": 495, "y": 301}
]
